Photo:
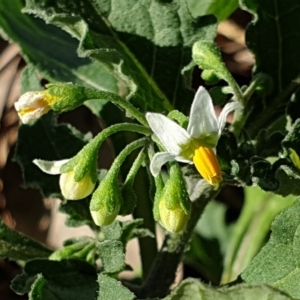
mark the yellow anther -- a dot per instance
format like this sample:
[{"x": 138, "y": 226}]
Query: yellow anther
[{"x": 207, "y": 165}]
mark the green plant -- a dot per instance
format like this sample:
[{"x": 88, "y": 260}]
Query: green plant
[{"x": 139, "y": 56}]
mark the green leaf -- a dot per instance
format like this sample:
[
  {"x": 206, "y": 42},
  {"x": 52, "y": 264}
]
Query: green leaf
[
  {"x": 30, "y": 80},
  {"x": 195, "y": 290},
  {"x": 292, "y": 139},
  {"x": 268, "y": 143},
  {"x": 22, "y": 283},
  {"x": 78, "y": 213},
  {"x": 16, "y": 246},
  {"x": 110, "y": 288},
  {"x": 276, "y": 25},
  {"x": 69, "y": 279},
  {"x": 53, "y": 144},
  {"x": 251, "y": 229},
  {"x": 222, "y": 9},
  {"x": 50, "y": 50},
  {"x": 277, "y": 264},
  {"x": 289, "y": 181},
  {"x": 112, "y": 256},
  {"x": 133, "y": 40}
]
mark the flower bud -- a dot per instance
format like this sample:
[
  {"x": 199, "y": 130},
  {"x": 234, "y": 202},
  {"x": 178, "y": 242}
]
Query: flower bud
[
  {"x": 78, "y": 175},
  {"x": 75, "y": 190},
  {"x": 31, "y": 106},
  {"x": 106, "y": 201},
  {"x": 59, "y": 97},
  {"x": 208, "y": 57},
  {"x": 174, "y": 205},
  {"x": 174, "y": 220}
]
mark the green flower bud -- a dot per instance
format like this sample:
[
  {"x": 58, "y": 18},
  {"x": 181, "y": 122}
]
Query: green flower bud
[
  {"x": 174, "y": 206},
  {"x": 59, "y": 97},
  {"x": 75, "y": 190},
  {"x": 106, "y": 201},
  {"x": 208, "y": 57},
  {"x": 67, "y": 96},
  {"x": 79, "y": 175},
  {"x": 175, "y": 219}
]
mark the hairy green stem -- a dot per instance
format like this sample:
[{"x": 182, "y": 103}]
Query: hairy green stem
[
  {"x": 115, "y": 167},
  {"x": 147, "y": 245},
  {"x": 105, "y": 133},
  {"x": 135, "y": 167},
  {"x": 130, "y": 109}
]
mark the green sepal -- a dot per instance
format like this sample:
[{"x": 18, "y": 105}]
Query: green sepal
[
  {"x": 106, "y": 200},
  {"x": 159, "y": 184},
  {"x": 84, "y": 162},
  {"x": 210, "y": 77},
  {"x": 68, "y": 95},
  {"x": 175, "y": 192},
  {"x": 174, "y": 206}
]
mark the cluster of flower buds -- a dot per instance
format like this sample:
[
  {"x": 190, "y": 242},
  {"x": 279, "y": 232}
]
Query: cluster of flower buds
[{"x": 195, "y": 144}]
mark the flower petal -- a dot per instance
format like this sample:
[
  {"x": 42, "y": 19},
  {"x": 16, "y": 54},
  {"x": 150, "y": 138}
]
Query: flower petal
[
  {"x": 50, "y": 167},
  {"x": 31, "y": 106},
  {"x": 203, "y": 119},
  {"x": 171, "y": 135},
  {"x": 229, "y": 107},
  {"x": 158, "y": 161}
]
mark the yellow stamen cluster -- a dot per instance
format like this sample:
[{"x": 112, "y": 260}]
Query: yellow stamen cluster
[{"x": 207, "y": 165}]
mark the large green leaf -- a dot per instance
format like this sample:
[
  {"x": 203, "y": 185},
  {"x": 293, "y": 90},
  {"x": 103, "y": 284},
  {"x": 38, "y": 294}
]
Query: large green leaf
[
  {"x": 50, "y": 49},
  {"x": 221, "y": 8},
  {"x": 14, "y": 245},
  {"x": 252, "y": 229},
  {"x": 278, "y": 262},
  {"x": 195, "y": 290},
  {"x": 147, "y": 41},
  {"x": 276, "y": 24},
  {"x": 57, "y": 280}
]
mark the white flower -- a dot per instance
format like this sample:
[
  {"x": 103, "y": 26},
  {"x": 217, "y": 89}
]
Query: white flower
[
  {"x": 31, "y": 106},
  {"x": 70, "y": 188},
  {"x": 196, "y": 144}
]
